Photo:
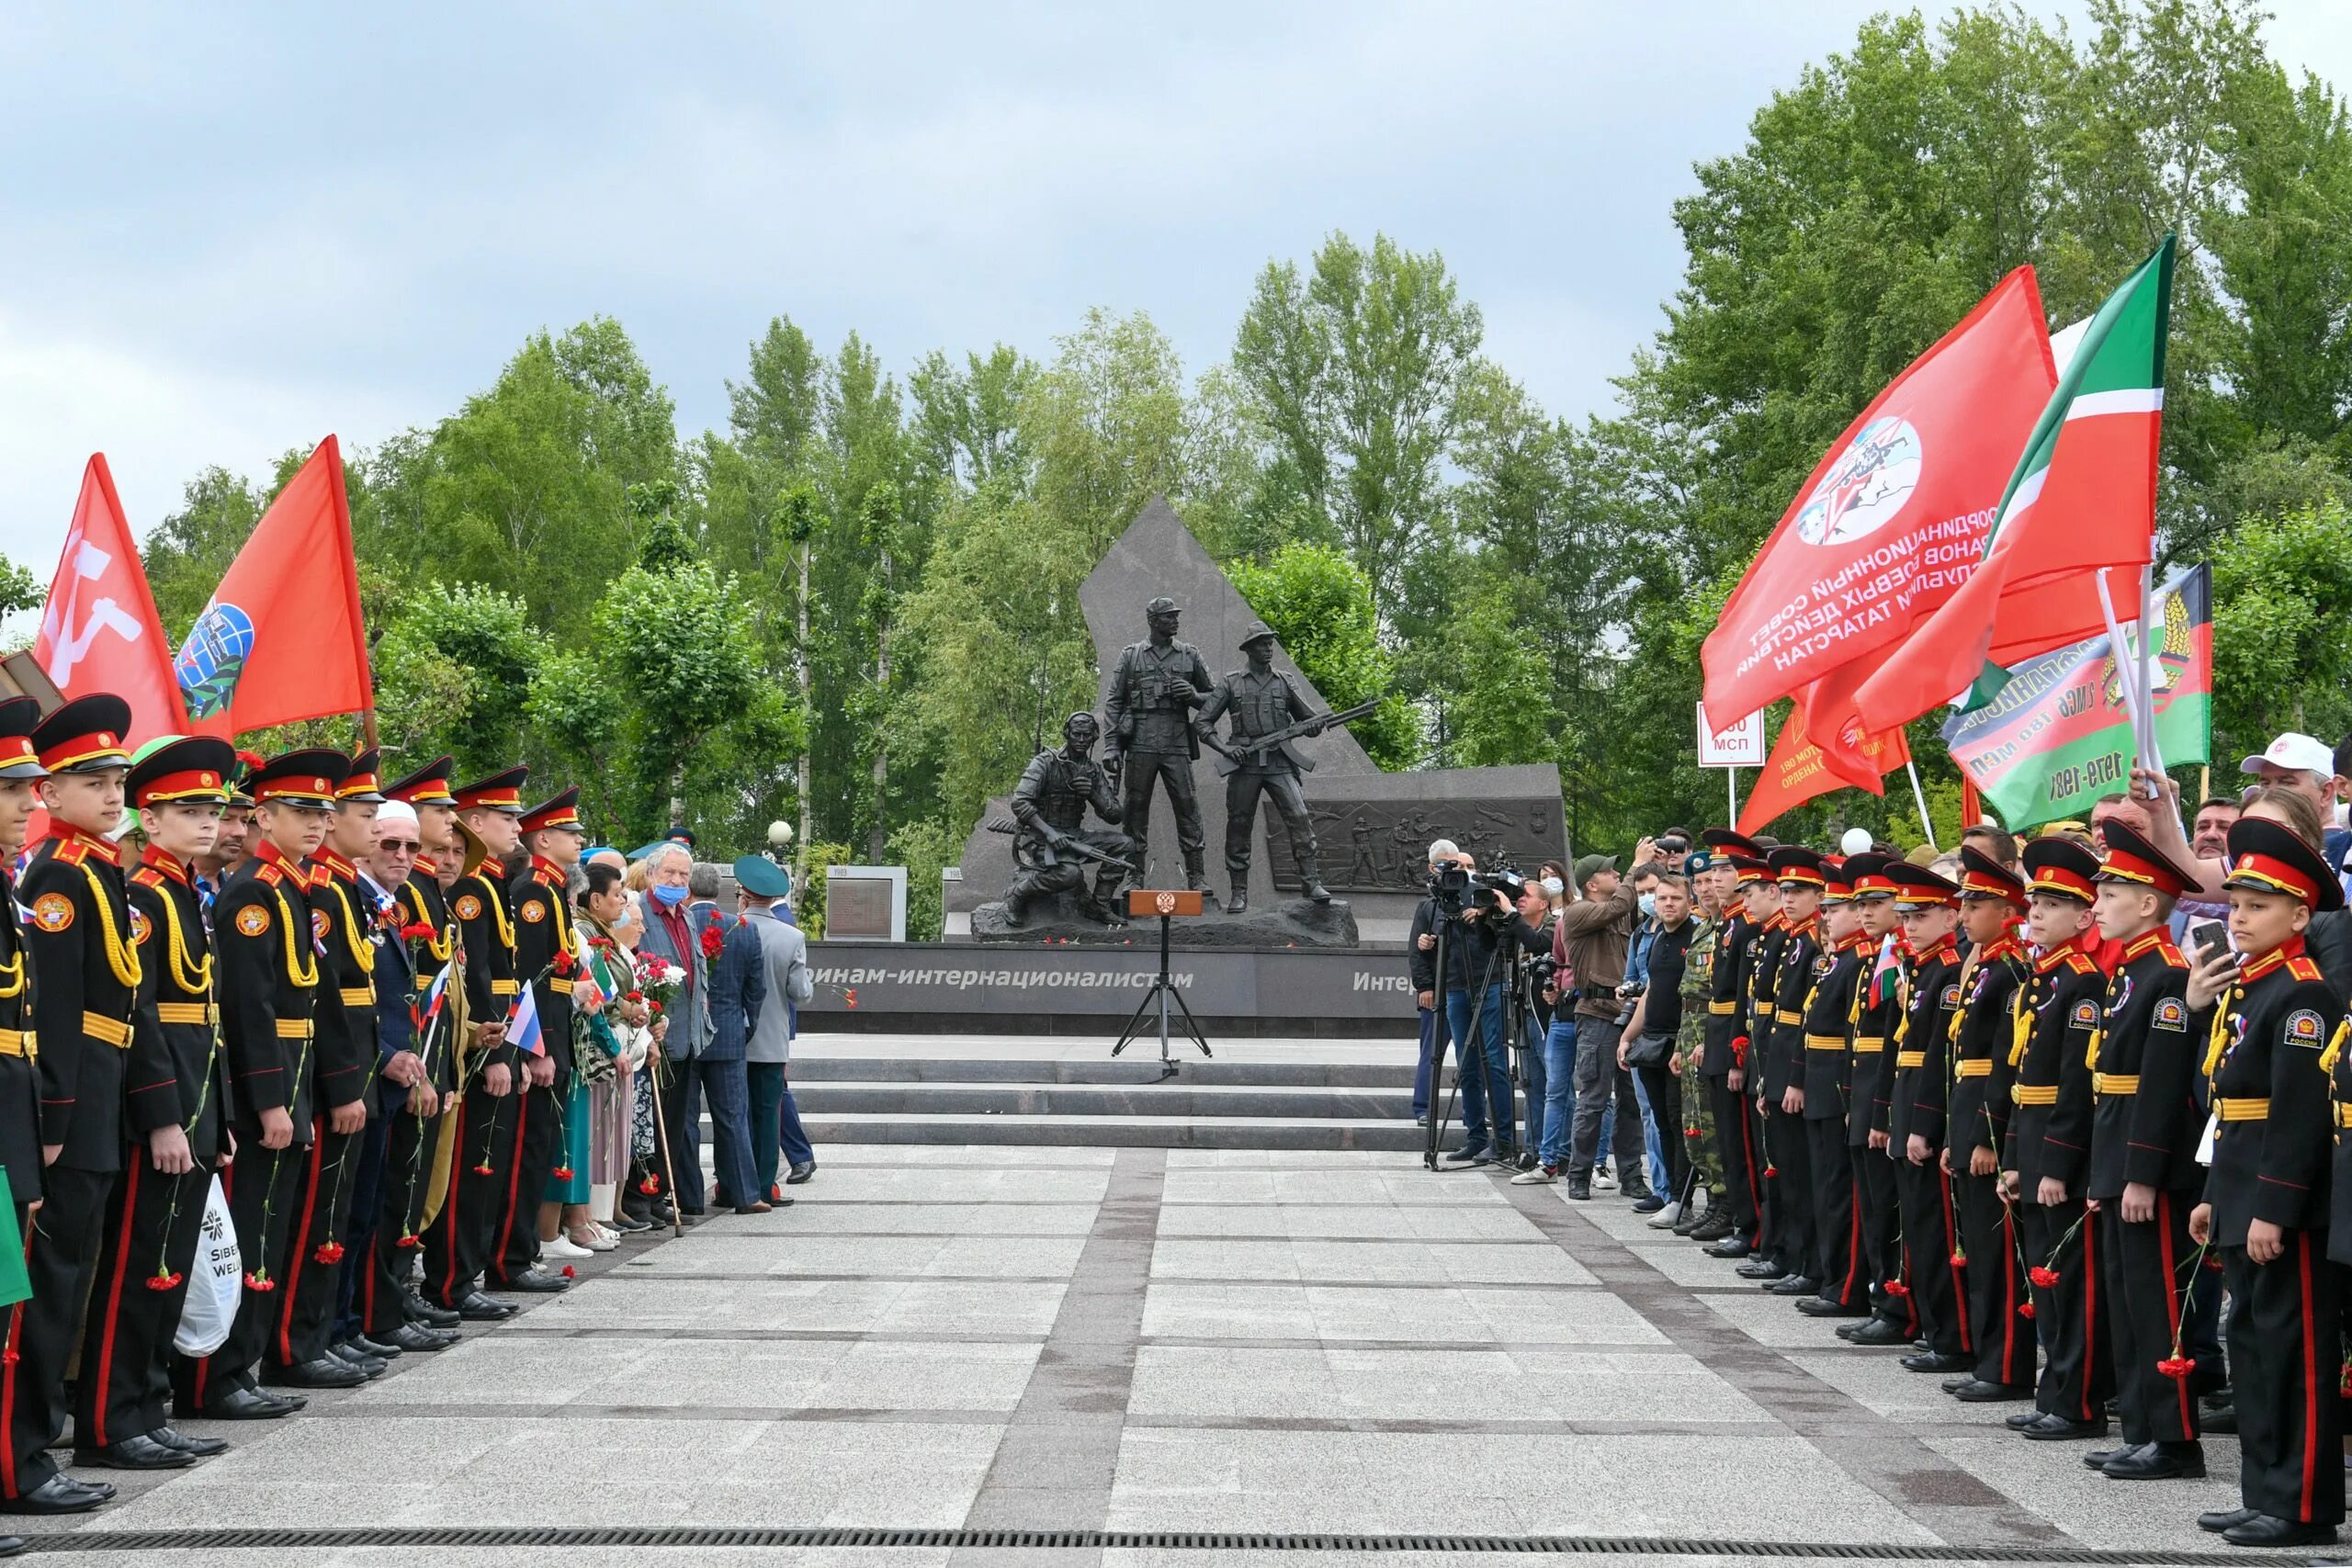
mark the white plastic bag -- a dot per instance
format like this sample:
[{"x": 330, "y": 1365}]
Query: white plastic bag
[{"x": 215, "y": 1281}]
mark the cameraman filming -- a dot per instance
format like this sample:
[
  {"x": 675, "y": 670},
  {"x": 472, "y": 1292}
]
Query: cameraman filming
[
  {"x": 1421, "y": 962},
  {"x": 1593, "y": 939},
  {"x": 1477, "y": 927}
]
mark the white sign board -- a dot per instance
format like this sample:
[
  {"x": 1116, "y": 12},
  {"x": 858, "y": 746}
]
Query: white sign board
[{"x": 1741, "y": 746}]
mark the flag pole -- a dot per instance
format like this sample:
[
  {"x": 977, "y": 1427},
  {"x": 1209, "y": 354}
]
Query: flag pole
[
  {"x": 368, "y": 728},
  {"x": 1920, "y": 797},
  {"x": 2127, "y": 681},
  {"x": 1731, "y": 788},
  {"x": 2146, "y": 670}
]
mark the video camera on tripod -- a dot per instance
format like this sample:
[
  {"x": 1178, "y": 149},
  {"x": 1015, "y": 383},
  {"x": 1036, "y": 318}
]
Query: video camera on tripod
[{"x": 1451, "y": 883}]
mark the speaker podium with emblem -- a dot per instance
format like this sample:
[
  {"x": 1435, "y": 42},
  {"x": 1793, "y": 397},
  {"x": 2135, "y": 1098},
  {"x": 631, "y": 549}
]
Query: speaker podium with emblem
[{"x": 1168, "y": 904}]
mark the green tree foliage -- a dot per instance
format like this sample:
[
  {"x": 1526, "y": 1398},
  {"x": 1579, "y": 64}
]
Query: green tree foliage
[
  {"x": 1320, "y": 607},
  {"x": 2282, "y": 630}
]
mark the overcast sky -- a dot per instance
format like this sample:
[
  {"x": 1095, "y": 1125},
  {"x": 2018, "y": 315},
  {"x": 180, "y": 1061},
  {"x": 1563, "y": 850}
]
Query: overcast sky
[{"x": 227, "y": 236}]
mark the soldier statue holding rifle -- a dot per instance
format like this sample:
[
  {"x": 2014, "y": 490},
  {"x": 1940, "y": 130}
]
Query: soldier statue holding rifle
[
  {"x": 1268, "y": 712},
  {"x": 1051, "y": 843}
]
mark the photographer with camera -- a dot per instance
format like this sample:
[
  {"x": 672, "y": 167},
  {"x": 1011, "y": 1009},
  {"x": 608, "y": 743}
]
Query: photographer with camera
[
  {"x": 1475, "y": 933},
  {"x": 1420, "y": 949},
  {"x": 1654, "y": 1022},
  {"x": 1593, "y": 937}
]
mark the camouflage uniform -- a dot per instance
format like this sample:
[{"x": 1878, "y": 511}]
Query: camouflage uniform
[{"x": 1697, "y": 1128}]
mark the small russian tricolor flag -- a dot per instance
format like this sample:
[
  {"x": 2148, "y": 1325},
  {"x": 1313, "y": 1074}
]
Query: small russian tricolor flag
[{"x": 523, "y": 1024}]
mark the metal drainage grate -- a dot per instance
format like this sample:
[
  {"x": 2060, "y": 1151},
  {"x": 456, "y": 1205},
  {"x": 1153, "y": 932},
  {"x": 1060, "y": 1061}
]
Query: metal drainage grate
[{"x": 457, "y": 1536}]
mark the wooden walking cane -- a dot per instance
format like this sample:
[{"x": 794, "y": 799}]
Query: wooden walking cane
[{"x": 661, "y": 1138}]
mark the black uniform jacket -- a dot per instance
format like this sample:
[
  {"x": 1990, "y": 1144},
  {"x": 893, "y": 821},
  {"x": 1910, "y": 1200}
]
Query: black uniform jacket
[
  {"x": 2144, "y": 1075},
  {"x": 267, "y": 974},
  {"x": 2052, "y": 1020},
  {"x": 1978, "y": 1114},
  {"x": 177, "y": 993},
  {"x": 2273, "y": 1139},
  {"x": 1829, "y": 1013},
  {"x": 84, "y": 965}
]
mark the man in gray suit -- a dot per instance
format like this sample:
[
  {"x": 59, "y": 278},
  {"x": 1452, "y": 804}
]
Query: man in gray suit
[
  {"x": 704, "y": 1047},
  {"x": 762, "y": 888}
]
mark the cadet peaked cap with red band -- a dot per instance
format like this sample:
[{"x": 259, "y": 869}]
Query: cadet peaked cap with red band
[
  {"x": 1750, "y": 868},
  {"x": 309, "y": 777},
  {"x": 429, "y": 785},
  {"x": 557, "y": 811},
  {"x": 1836, "y": 882},
  {"x": 1795, "y": 863},
  {"x": 360, "y": 783},
  {"x": 1867, "y": 873},
  {"x": 500, "y": 792},
  {"x": 1982, "y": 876},
  {"x": 19, "y": 717},
  {"x": 2132, "y": 858},
  {"x": 85, "y": 736},
  {"x": 2269, "y": 857},
  {"x": 1916, "y": 887},
  {"x": 1726, "y": 842},
  {"x": 195, "y": 769},
  {"x": 2061, "y": 867}
]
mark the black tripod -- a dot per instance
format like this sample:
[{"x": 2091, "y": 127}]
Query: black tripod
[{"x": 1162, "y": 990}]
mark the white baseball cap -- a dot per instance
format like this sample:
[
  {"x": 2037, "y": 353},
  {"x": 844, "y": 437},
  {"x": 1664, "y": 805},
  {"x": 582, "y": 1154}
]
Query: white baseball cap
[
  {"x": 2301, "y": 753},
  {"x": 394, "y": 814}
]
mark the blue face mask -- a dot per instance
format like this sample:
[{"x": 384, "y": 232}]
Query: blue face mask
[
  {"x": 669, "y": 897},
  {"x": 1649, "y": 905}
]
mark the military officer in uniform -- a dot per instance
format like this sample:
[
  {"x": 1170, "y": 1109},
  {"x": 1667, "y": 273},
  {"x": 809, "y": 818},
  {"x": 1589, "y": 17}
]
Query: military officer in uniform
[
  {"x": 1049, "y": 812},
  {"x": 85, "y": 978},
  {"x": 1262, "y": 700},
  {"x": 268, "y": 973},
  {"x": 546, "y": 959},
  {"x": 154, "y": 1224},
  {"x": 1689, "y": 1048},
  {"x": 1155, "y": 688}
]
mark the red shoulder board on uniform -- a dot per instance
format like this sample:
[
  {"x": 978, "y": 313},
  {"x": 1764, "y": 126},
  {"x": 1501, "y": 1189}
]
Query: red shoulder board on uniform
[
  {"x": 147, "y": 877},
  {"x": 71, "y": 853},
  {"x": 2082, "y": 963},
  {"x": 2302, "y": 967},
  {"x": 270, "y": 874},
  {"x": 2171, "y": 955}
]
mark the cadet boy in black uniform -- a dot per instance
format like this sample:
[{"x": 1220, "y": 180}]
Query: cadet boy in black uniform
[
  {"x": 1893, "y": 1320},
  {"x": 1757, "y": 1021},
  {"x": 179, "y": 787},
  {"x": 1842, "y": 1266},
  {"x": 1937, "y": 1285},
  {"x": 545, "y": 959},
  {"x": 1731, "y": 1234},
  {"x": 2265, "y": 1022},
  {"x": 2058, "y": 1011},
  {"x": 85, "y": 976},
  {"x": 1798, "y": 874},
  {"x": 1992, "y": 903},
  {"x": 2143, "y": 1171},
  {"x": 267, "y": 974}
]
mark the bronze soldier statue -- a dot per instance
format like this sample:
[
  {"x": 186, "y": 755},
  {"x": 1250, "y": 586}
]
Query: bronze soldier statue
[
  {"x": 1051, "y": 842},
  {"x": 1262, "y": 702},
  {"x": 1154, "y": 690}
]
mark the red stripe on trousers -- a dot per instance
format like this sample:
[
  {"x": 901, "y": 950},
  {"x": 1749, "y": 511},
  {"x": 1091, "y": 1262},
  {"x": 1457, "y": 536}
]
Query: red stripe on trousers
[
  {"x": 2303, "y": 1244},
  {"x": 1747, "y": 1157},
  {"x": 1853, "y": 1246},
  {"x": 114, "y": 1294},
  {"x": 2009, "y": 1289},
  {"x": 1959, "y": 1274},
  {"x": 301, "y": 1244},
  {"x": 2171, "y": 1303},
  {"x": 514, "y": 1180},
  {"x": 2090, "y": 1317}
]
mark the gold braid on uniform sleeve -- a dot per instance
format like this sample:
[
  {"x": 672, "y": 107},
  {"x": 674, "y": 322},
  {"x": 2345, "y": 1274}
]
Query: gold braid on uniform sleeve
[
  {"x": 362, "y": 952},
  {"x": 2218, "y": 1039},
  {"x": 2020, "y": 1021},
  {"x": 192, "y": 979},
  {"x": 302, "y": 976},
  {"x": 122, "y": 955}
]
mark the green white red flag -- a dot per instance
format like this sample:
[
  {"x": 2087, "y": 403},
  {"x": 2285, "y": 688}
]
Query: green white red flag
[
  {"x": 2083, "y": 497},
  {"x": 2057, "y": 735}
]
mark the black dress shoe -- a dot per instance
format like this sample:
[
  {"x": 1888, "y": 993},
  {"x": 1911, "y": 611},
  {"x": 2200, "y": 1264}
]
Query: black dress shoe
[
  {"x": 141, "y": 1452},
  {"x": 1796, "y": 1285},
  {"x": 2096, "y": 1459},
  {"x": 1762, "y": 1269},
  {"x": 1731, "y": 1246},
  {"x": 2221, "y": 1520},
  {"x": 416, "y": 1336},
  {"x": 60, "y": 1494},
  {"x": 246, "y": 1404},
  {"x": 630, "y": 1225},
  {"x": 2020, "y": 1420},
  {"x": 802, "y": 1172},
  {"x": 477, "y": 1307},
  {"x": 2058, "y": 1429},
  {"x": 419, "y": 1310},
  {"x": 1930, "y": 1361},
  {"x": 202, "y": 1447},
  {"x": 326, "y": 1371},
  {"x": 1975, "y": 1391},
  {"x": 1580, "y": 1188},
  {"x": 2269, "y": 1529},
  {"x": 2158, "y": 1461},
  {"x": 537, "y": 1282},
  {"x": 1690, "y": 1220},
  {"x": 378, "y": 1349},
  {"x": 1715, "y": 1225},
  {"x": 2219, "y": 1418},
  {"x": 1879, "y": 1332},
  {"x": 1821, "y": 1306},
  {"x": 1468, "y": 1154},
  {"x": 12, "y": 1546},
  {"x": 350, "y": 1356}
]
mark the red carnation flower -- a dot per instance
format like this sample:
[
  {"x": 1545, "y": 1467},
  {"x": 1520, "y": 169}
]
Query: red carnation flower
[
  {"x": 2178, "y": 1367},
  {"x": 650, "y": 1186},
  {"x": 161, "y": 1281},
  {"x": 1772, "y": 1172},
  {"x": 562, "y": 1173},
  {"x": 484, "y": 1171},
  {"x": 568, "y": 1272},
  {"x": 2025, "y": 1309},
  {"x": 1897, "y": 1288},
  {"x": 633, "y": 996},
  {"x": 261, "y": 1282},
  {"x": 2045, "y": 1278},
  {"x": 654, "y": 1007},
  {"x": 329, "y": 1253},
  {"x": 416, "y": 932},
  {"x": 411, "y": 1240},
  {"x": 713, "y": 942},
  {"x": 1958, "y": 1259},
  {"x": 564, "y": 963}
]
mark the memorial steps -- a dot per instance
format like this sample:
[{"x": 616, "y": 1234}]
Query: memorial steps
[{"x": 1254, "y": 1094}]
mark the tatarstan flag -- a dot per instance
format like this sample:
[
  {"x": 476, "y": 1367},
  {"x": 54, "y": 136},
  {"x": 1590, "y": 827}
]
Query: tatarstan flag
[
  {"x": 282, "y": 640},
  {"x": 2083, "y": 499},
  {"x": 2056, "y": 737}
]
